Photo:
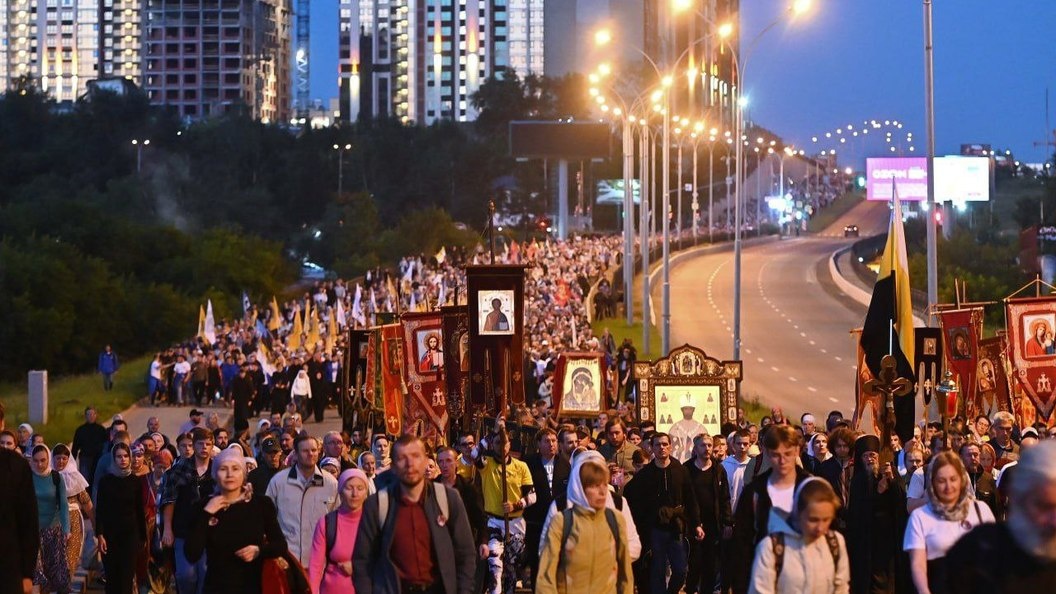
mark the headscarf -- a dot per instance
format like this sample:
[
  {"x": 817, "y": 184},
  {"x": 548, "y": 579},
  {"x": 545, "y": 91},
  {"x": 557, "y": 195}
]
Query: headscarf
[
  {"x": 47, "y": 471},
  {"x": 114, "y": 469},
  {"x": 576, "y": 494},
  {"x": 352, "y": 473},
  {"x": 793, "y": 516},
  {"x": 810, "y": 448},
  {"x": 330, "y": 461},
  {"x": 75, "y": 481},
  {"x": 228, "y": 455},
  {"x": 958, "y": 511}
]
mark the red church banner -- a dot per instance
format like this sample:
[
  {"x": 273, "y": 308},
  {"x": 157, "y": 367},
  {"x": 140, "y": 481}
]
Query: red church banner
[
  {"x": 960, "y": 332},
  {"x": 1031, "y": 325},
  {"x": 426, "y": 413}
]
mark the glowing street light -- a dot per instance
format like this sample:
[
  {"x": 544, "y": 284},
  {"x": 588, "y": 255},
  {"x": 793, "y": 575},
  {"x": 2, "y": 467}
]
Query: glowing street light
[{"x": 602, "y": 37}]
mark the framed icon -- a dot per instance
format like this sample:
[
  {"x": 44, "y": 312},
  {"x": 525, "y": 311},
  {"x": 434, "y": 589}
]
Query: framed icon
[{"x": 495, "y": 312}]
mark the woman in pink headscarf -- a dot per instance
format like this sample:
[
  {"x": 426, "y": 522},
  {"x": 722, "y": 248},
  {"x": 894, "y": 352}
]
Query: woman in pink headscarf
[{"x": 330, "y": 567}]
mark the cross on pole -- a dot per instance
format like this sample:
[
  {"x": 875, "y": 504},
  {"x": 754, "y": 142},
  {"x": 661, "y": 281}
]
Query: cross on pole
[{"x": 887, "y": 386}]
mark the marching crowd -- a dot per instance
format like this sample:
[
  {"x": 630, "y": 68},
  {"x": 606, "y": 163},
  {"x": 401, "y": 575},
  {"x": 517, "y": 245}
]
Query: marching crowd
[{"x": 584, "y": 506}]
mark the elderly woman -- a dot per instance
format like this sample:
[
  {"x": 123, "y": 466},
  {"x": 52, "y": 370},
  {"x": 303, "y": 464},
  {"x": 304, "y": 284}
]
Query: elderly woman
[
  {"x": 53, "y": 515},
  {"x": 950, "y": 512},
  {"x": 814, "y": 558},
  {"x": 580, "y": 542},
  {"x": 77, "y": 500},
  {"x": 330, "y": 567},
  {"x": 236, "y": 530}
]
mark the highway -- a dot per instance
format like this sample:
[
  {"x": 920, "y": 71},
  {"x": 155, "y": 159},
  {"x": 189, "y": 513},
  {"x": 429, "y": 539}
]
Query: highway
[{"x": 795, "y": 323}]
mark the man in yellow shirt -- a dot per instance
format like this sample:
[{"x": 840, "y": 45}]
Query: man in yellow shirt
[
  {"x": 504, "y": 508},
  {"x": 465, "y": 467}
]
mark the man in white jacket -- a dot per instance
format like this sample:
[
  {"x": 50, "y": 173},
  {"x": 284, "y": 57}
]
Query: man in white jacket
[{"x": 303, "y": 495}]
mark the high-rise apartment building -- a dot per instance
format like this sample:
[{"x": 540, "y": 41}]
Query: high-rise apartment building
[
  {"x": 60, "y": 45},
  {"x": 422, "y": 60},
  {"x": 206, "y": 57}
]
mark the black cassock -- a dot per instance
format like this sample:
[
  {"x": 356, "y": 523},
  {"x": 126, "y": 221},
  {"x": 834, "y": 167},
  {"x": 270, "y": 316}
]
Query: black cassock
[{"x": 876, "y": 524}]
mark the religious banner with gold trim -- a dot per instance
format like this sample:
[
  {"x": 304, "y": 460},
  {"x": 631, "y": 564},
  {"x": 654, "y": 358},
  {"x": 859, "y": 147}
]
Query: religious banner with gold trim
[
  {"x": 579, "y": 385},
  {"x": 426, "y": 412},
  {"x": 961, "y": 329},
  {"x": 372, "y": 385},
  {"x": 456, "y": 361},
  {"x": 496, "y": 330},
  {"x": 393, "y": 380},
  {"x": 991, "y": 379},
  {"x": 1031, "y": 324}
]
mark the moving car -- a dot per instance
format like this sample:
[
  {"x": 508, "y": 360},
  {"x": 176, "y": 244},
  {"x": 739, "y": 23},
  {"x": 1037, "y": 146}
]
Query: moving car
[{"x": 850, "y": 231}]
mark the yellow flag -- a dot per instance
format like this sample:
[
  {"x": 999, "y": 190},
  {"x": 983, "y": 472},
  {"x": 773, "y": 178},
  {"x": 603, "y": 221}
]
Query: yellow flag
[
  {"x": 294, "y": 340},
  {"x": 313, "y": 332},
  {"x": 201, "y": 321},
  {"x": 276, "y": 317},
  {"x": 331, "y": 334},
  {"x": 393, "y": 294}
]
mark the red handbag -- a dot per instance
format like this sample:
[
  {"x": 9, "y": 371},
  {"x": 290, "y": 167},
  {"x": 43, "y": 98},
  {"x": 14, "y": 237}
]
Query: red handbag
[{"x": 284, "y": 575}]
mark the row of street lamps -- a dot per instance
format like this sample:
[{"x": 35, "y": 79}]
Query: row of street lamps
[{"x": 638, "y": 110}]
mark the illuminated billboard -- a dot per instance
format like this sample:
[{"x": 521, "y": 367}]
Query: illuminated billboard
[
  {"x": 610, "y": 191},
  {"x": 910, "y": 174},
  {"x": 957, "y": 178}
]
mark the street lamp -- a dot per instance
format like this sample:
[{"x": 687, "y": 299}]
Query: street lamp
[
  {"x": 140, "y": 144},
  {"x": 340, "y": 165}
]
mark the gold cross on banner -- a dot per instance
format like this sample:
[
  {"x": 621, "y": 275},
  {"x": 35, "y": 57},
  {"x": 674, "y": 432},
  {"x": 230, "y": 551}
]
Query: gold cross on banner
[{"x": 887, "y": 386}]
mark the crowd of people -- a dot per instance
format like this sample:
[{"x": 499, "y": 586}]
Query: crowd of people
[{"x": 600, "y": 505}]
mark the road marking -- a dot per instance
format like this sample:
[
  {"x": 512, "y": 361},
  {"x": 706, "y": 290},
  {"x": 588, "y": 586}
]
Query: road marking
[
  {"x": 812, "y": 388},
  {"x": 839, "y": 358},
  {"x": 749, "y": 351},
  {"x": 792, "y": 379},
  {"x": 831, "y": 399},
  {"x": 803, "y": 334},
  {"x": 812, "y": 343},
  {"x": 824, "y": 352},
  {"x": 774, "y": 368}
]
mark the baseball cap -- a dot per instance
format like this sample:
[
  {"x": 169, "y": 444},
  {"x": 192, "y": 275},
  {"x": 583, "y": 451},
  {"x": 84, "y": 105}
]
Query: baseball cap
[
  {"x": 195, "y": 413},
  {"x": 270, "y": 446}
]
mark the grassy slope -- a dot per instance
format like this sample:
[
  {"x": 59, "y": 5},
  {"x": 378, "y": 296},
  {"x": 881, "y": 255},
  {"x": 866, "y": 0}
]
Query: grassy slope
[
  {"x": 67, "y": 397},
  {"x": 837, "y": 209}
]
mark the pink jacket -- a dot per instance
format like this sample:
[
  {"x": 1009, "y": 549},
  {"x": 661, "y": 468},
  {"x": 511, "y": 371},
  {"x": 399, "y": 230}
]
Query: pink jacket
[{"x": 326, "y": 575}]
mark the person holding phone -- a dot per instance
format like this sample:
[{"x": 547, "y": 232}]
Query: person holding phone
[{"x": 235, "y": 529}]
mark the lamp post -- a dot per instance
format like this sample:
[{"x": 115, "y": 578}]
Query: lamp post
[
  {"x": 340, "y": 166},
  {"x": 929, "y": 116},
  {"x": 140, "y": 144}
]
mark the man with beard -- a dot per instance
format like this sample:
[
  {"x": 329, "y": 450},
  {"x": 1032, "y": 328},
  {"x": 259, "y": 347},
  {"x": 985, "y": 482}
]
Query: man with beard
[
  {"x": 550, "y": 473},
  {"x": 876, "y": 520},
  {"x": 1020, "y": 555}
]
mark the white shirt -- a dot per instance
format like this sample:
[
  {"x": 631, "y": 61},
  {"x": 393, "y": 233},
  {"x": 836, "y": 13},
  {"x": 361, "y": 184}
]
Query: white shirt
[
  {"x": 735, "y": 474},
  {"x": 155, "y": 370},
  {"x": 181, "y": 368},
  {"x": 781, "y": 497},
  {"x": 936, "y": 536}
]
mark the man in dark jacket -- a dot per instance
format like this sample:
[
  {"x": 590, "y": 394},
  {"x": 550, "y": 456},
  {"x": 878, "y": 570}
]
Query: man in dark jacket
[
  {"x": 88, "y": 443},
  {"x": 982, "y": 481},
  {"x": 712, "y": 491},
  {"x": 19, "y": 533},
  {"x": 269, "y": 463},
  {"x": 420, "y": 548},
  {"x": 550, "y": 474},
  {"x": 662, "y": 496}
]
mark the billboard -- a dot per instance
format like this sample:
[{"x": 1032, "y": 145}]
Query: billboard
[
  {"x": 909, "y": 173},
  {"x": 610, "y": 191},
  {"x": 962, "y": 179},
  {"x": 560, "y": 140},
  {"x": 957, "y": 178}
]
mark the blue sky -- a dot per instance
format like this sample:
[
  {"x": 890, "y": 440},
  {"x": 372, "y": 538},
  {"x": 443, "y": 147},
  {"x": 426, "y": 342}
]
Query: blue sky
[{"x": 853, "y": 60}]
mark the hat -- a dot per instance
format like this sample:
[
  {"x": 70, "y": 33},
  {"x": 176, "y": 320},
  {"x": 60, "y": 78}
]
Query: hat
[
  {"x": 1029, "y": 432},
  {"x": 27, "y": 427},
  {"x": 330, "y": 461},
  {"x": 262, "y": 422},
  {"x": 865, "y": 444},
  {"x": 195, "y": 413},
  {"x": 270, "y": 446}
]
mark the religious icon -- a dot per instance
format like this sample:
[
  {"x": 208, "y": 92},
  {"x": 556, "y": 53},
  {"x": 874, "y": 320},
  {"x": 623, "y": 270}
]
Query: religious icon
[
  {"x": 495, "y": 312},
  {"x": 582, "y": 389},
  {"x": 429, "y": 350},
  {"x": 960, "y": 347},
  {"x": 694, "y": 411},
  {"x": 1038, "y": 335},
  {"x": 930, "y": 346}
]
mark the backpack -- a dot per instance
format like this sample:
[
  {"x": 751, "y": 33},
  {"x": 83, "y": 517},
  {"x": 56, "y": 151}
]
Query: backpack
[
  {"x": 777, "y": 541},
  {"x": 561, "y": 501},
  {"x": 566, "y": 532},
  {"x": 383, "y": 503}
]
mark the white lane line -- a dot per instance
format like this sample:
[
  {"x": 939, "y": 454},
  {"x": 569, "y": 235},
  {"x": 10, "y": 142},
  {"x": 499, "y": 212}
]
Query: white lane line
[
  {"x": 749, "y": 351},
  {"x": 812, "y": 388},
  {"x": 839, "y": 358},
  {"x": 760, "y": 359},
  {"x": 831, "y": 399},
  {"x": 824, "y": 351},
  {"x": 803, "y": 334},
  {"x": 774, "y": 368},
  {"x": 812, "y": 343},
  {"x": 792, "y": 379}
]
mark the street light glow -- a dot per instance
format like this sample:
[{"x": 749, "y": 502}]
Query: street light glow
[
  {"x": 604, "y": 69},
  {"x": 602, "y": 37},
  {"x": 800, "y": 6},
  {"x": 681, "y": 5},
  {"x": 667, "y": 81},
  {"x": 725, "y": 29}
]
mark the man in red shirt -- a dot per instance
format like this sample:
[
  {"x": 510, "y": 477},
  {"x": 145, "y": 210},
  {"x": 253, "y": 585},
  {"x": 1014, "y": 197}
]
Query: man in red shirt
[{"x": 427, "y": 547}]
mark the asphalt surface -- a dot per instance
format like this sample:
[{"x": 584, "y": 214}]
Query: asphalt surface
[{"x": 795, "y": 323}]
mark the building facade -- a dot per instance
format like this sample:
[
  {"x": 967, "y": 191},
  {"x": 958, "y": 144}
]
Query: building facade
[
  {"x": 207, "y": 57},
  {"x": 61, "y": 45},
  {"x": 422, "y": 60}
]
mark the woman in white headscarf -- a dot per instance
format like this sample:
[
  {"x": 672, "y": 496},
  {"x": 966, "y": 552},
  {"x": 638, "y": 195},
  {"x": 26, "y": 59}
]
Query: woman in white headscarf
[
  {"x": 585, "y": 546},
  {"x": 53, "y": 517},
  {"x": 78, "y": 500}
]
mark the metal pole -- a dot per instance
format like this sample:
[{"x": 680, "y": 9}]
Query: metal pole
[
  {"x": 340, "y": 171},
  {"x": 758, "y": 189},
  {"x": 696, "y": 205},
  {"x": 729, "y": 182},
  {"x": 665, "y": 335},
  {"x": 643, "y": 230},
  {"x": 139, "y": 158},
  {"x": 628, "y": 225},
  {"x": 737, "y": 229},
  {"x": 711, "y": 186},
  {"x": 678, "y": 194},
  {"x": 929, "y": 116}
]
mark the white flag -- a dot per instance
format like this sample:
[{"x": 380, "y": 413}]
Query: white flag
[
  {"x": 262, "y": 358},
  {"x": 442, "y": 299},
  {"x": 210, "y": 323},
  {"x": 341, "y": 313},
  {"x": 357, "y": 307}
]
